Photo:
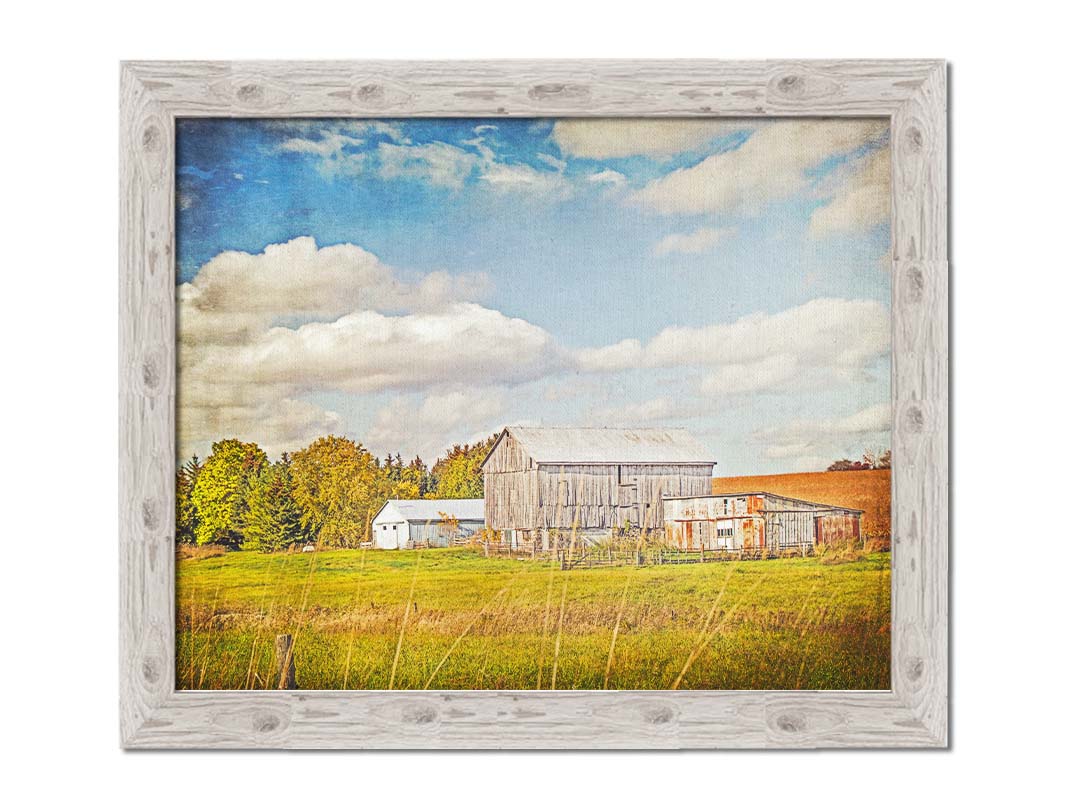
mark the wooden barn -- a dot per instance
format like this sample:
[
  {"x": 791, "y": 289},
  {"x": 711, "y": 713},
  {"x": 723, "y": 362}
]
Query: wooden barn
[
  {"x": 756, "y": 520},
  {"x": 594, "y": 481},
  {"x": 401, "y": 524}
]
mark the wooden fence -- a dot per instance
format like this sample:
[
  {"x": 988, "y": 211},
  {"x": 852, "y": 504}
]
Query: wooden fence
[{"x": 586, "y": 557}]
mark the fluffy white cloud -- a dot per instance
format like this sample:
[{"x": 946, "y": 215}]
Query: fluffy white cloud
[
  {"x": 428, "y": 427},
  {"x": 825, "y": 340},
  {"x": 773, "y": 163},
  {"x": 699, "y": 241},
  {"x": 279, "y": 424},
  {"x": 657, "y": 138},
  {"x": 236, "y": 294},
  {"x": 367, "y": 351},
  {"x": 860, "y": 201},
  {"x": 259, "y": 332},
  {"x": 815, "y": 443},
  {"x": 760, "y": 375}
]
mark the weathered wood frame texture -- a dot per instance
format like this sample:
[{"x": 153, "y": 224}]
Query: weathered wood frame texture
[{"x": 914, "y": 713}]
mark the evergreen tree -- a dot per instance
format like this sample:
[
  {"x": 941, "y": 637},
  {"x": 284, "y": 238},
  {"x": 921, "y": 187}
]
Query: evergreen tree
[
  {"x": 272, "y": 520},
  {"x": 185, "y": 517}
]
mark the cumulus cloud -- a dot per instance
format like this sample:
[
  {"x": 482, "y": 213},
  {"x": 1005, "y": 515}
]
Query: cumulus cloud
[
  {"x": 822, "y": 341},
  {"x": 280, "y": 424},
  {"x": 428, "y": 427},
  {"x": 367, "y": 351},
  {"x": 656, "y": 138},
  {"x": 699, "y": 241},
  {"x": 655, "y": 410},
  {"x": 773, "y": 163},
  {"x": 860, "y": 200},
  {"x": 815, "y": 443},
  {"x": 760, "y": 375},
  {"x": 237, "y": 294},
  {"x": 259, "y": 332}
]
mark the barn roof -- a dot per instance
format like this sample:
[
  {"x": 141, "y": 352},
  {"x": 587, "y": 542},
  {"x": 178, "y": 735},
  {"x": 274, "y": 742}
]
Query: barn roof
[
  {"x": 610, "y": 445},
  {"x": 812, "y": 503},
  {"x": 433, "y": 509}
]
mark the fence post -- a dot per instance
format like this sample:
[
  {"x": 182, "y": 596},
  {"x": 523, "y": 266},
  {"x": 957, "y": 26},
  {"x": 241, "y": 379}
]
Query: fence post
[{"x": 283, "y": 651}]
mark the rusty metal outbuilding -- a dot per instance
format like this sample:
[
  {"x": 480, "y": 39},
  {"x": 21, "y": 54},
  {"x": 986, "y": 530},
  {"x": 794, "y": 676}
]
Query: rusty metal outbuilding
[{"x": 756, "y": 521}]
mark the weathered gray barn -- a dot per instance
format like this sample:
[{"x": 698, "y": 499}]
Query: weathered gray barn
[
  {"x": 756, "y": 521},
  {"x": 593, "y": 480}
]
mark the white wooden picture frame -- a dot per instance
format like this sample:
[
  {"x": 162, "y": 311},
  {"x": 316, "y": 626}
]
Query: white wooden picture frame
[{"x": 914, "y": 713}]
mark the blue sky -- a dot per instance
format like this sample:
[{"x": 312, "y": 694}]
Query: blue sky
[{"x": 415, "y": 282}]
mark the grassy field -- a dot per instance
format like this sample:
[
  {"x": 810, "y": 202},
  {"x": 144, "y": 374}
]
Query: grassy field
[
  {"x": 452, "y": 619},
  {"x": 867, "y": 490}
]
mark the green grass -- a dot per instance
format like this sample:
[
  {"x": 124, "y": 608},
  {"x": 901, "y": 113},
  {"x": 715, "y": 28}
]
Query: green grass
[{"x": 780, "y": 624}]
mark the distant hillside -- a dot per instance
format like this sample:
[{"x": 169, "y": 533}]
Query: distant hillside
[{"x": 868, "y": 490}]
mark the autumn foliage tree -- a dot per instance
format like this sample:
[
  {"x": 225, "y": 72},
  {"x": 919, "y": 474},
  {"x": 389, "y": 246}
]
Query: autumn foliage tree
[
  {"x": 459, "y": 474},
  {"x": 328, "y": 492},
  {"x": 220, "y": 494},
  {"x": 339, "y": 486},
  {"x": 871, "y": 460}
]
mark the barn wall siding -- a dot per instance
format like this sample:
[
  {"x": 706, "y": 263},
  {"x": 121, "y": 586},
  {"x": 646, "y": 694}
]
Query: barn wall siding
[
  {"x": 595, "y": 496},
  {"x": 760, "y": 521}
]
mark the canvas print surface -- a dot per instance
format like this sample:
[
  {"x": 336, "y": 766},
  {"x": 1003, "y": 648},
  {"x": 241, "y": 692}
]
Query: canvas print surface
[{"x": 533, "y": 404}]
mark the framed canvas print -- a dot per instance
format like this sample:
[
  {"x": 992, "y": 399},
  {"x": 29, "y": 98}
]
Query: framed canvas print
[{"x": 534, "y": 405}]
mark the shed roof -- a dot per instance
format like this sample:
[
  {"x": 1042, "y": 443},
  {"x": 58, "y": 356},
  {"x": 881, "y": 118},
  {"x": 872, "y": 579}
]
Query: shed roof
[
  {"x": 812, "y": 503},
  {"x": 610, "y": 445},
  {"x": 433, "y": 509}
]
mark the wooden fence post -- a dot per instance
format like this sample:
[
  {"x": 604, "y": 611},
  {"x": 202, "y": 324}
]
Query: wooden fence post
[{"x": 283, "y": 651}]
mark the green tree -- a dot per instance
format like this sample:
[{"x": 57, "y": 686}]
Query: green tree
[
  {"x": 459, "y": 474},
  {"x": 272, "y": 520},
  {"x": 338, "y": 485},
  {"x": 220, "y": 495},
  {"x": 185, "y": 516}
]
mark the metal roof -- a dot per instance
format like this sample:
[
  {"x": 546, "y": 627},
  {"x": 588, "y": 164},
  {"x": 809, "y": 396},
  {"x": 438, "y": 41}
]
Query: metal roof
[
  {"x": 762, "y": 494},
  {"x": 611, "y": 445},
  {"x": 433, "y": 509}
]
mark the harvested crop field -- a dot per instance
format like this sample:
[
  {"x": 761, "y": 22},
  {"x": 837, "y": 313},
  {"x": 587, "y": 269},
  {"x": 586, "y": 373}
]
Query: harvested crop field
[{"x": 868, "y": 490}]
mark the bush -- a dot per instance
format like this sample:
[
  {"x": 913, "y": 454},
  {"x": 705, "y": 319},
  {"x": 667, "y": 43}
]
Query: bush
[
  {"x": 192, "y": 552},
  {"x": 839, "y": 554}
]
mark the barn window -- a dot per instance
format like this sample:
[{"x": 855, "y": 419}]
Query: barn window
[{"x": 725, "y": 506}]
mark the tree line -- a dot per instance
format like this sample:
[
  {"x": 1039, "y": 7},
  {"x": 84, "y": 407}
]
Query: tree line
[
  {"x": 871, "y": 460},
  {"x": 326, "y": 493}
]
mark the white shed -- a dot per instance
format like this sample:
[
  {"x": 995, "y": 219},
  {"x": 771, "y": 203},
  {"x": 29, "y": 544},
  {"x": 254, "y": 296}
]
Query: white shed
[{"x": 401, "y": 524}]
